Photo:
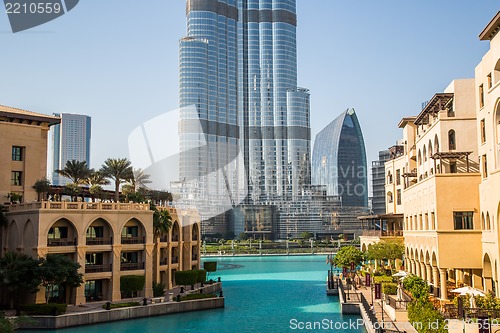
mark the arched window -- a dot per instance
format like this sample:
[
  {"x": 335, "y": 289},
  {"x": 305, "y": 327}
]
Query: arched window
[
  {"x": 389, "y": 177},
  {"x": 436, "y": 144},
  {"x": 483, "y": 225},
  {"x": 452, "y": 143},
  {"x": 488, "y": 224},
  {"x": 425, "y": 154},
  {"x": 390, "y": 199},
  {"x": 430, "y": 149},
  {"x": 419, "y": 157},
  {"x": 497, "y": 130},
  {"x": 496, "y": 72}
]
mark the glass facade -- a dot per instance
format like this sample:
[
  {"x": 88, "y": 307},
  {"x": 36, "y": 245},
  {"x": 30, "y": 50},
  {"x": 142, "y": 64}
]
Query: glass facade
[
  {"x": 238, "y": 93},
  {"x": 339, "y": 160}
]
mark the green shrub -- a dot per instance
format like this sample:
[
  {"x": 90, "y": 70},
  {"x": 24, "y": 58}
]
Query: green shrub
[
  {"x": 122, "y": 305},
  {"x": 6, "y": 325},
  {"x": 158, "y": 289},
  {"x": 186, "y": 278},
  {"x": 196, "y": 296},
  {"x": 416, "y": 286},
  {"x": 422, "y": 311},
  {"x": 44, "y": 309},
  {"x": 210, "y": 266},
  {"x": 389, "y": 288},
  {"x": 382, "y": 279},
  {"x": 131, "y": 284},
  {"x": 202, "y": 276}
]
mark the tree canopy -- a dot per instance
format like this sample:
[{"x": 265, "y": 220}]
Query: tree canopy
[
  {"x": 385, "y": 251},
  {"x": 57, "y": 269},
  {"x": 346, "y": 255},
  {"x": 118, "y": 170},
  {"x": 76, "y": 171}
]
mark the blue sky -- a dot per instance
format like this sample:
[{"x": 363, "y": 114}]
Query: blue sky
[{"x": 117, "y": 61}]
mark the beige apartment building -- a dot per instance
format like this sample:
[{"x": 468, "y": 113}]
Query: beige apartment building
[
  {"x": 23, "y": 151},
  {"x": 108, "y": 240},
  {"x": 438, "y": 190},
  {"x": 487, "y": 75}
]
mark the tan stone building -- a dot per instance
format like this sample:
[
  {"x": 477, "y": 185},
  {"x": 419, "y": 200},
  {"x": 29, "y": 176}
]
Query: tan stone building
[
  {"x": 23, "y": 151},
  {"x": 108, "y": 240},
  {"x": 487, "y": 89},
  {"x": 439, "y": 194}
]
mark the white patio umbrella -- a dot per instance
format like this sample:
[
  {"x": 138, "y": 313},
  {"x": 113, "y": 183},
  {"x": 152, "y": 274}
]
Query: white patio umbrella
[
  {"x": 467, "y": 290},
  {"x": 399, "y": 293},
  {"x": 401, "y": 274}
]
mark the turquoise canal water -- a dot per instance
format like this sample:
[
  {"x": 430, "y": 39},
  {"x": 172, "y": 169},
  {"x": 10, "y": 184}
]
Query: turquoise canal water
[{"x": 263, "y": 294}]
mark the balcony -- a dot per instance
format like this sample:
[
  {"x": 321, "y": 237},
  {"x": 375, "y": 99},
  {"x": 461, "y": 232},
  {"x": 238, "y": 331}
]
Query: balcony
[
  {"x": 164, "y": 261},
  {"x": 98, "y": 268},
  {"x": 194, "y": 257},
  {"x": 61, "y": 242},
  {"x": 99, "y": 241},
  {"x": 133, "y": 240},
  {"x": 59, "y": 205},
  {"x": 175, "y": 238},
  {"x": 131, "y": 266},
  {"x": 164, "y": 239},
  {"x": 175, "y": 260},
  {"x": 383, "y": 233}
]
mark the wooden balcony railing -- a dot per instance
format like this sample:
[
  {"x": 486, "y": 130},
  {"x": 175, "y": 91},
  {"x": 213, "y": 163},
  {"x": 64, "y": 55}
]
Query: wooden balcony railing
[
  {"x": 383, "y": 233},
  {"x": 99, "y": 241},
  {"x": 61, "y": 241},
  {"x": 130, "y": 266},
  {"x": 98, "y": 268},
  {"x": 133, "y": 240}
]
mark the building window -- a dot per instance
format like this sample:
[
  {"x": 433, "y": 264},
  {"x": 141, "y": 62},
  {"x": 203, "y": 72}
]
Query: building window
[
  {"x": 453, "y": 167},
  {"x": 389, "y": 197},
  {"x": 58, "y": 233},
  {"x": 463, "y": 220},
  {"x": 16, "y": 178},
  {"x": 485, "y": 166},
  {"x": 490, "y": 82},
  {"x": 433, "y": 221},
  {"x": 398, "y": 177},
  {"x": 481, "y": 96},
  {"x": 130, "y": 231},
  {"x": 483, "y": 131},
  {"x": 398, "y": 197},
  {"x": 17, "y": 153},
  {"x": 452, "y": 140},
  {"x": 95, "y": 232}
]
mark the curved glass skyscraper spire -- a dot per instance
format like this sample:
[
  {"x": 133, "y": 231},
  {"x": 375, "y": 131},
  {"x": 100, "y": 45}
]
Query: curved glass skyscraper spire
[{"x": 339, "y": 160}]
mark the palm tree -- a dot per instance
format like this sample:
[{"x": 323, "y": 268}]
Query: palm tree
[
  {"x": 96, "y": 180},
  {"x": 162, "y": 222},
  {"x": 140, "y": 179},
  {"x": 76, "y": 171},
  {"x": 41, "y": 187},
  {"x": 118, "y": 170}
]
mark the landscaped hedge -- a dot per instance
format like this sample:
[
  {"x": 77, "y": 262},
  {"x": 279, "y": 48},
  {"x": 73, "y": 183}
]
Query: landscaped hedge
[
  {"x": 382, "y": 279},
  {"x": 389, "y": 288},
  {"x": 44, "y": 309},
  {"x": 130, "y": 284},
  {"x": 186, "y": 278},
  {"x": 202, "y": 276},
  {"x": 210, "y": 266},
  {"x": 122, "y": 305},
  {"x": 196, "y": 296},
  {"x": 158, "y": 289}
]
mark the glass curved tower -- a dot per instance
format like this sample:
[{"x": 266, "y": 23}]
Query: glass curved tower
[{"x": 339, "y": 160}]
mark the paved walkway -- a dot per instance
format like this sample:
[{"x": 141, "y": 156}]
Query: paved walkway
[{"x": 381, "y": 312}]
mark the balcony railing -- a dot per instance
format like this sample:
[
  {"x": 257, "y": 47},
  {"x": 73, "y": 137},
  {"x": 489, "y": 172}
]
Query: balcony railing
[
  {"x": 175, "y": 260},
  {"x": 59, "y": 205},
  {"x": 130, "y": 266},
  {"x": 99, "y": 241},
  {"x": 98, "y": 268},
  {"x": 133, "y": 240},
  {"x": 164, "y": 239},
  {"x": 164, "y": 261},
  {"x": 61, "y": 241},
  {"x": 195, "y": 237},
  {"x": 194, "y": 257},
  {"x": 383, "y": 233},
  {"x": 175, "y": 238}
]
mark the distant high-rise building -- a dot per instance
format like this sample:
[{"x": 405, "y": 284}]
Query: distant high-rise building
[
  {"x": 339, "y": 160},
  {"x": 238, "y": 93},
  {"x": 378, "y": 182},
  {"x": 70, "y": 140}
]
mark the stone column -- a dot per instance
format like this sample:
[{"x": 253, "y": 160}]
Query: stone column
[
  {"x": 422, "y": 271},
  {"x": 148, "y": 265},
  {"x": 413, "y": 267},
  {"x": 80, "y": 291},
  {"x": 428, "y": 273},
  {"x": 115, "y": 279},
  {"x": 442, "y": 279},
  {"x": 417, "y": 269},
  {"x": 435, "y": 277},
  {"x": 459, "y": 277}
]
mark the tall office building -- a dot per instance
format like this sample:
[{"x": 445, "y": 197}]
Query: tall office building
[
  {"x": 69, "y": 140},
  {"x": 378, "y": 182},
  {"x": 238, "y": 93},
  {"x": 275, "y": 128},
  {"x": 339, "y": 160}
]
